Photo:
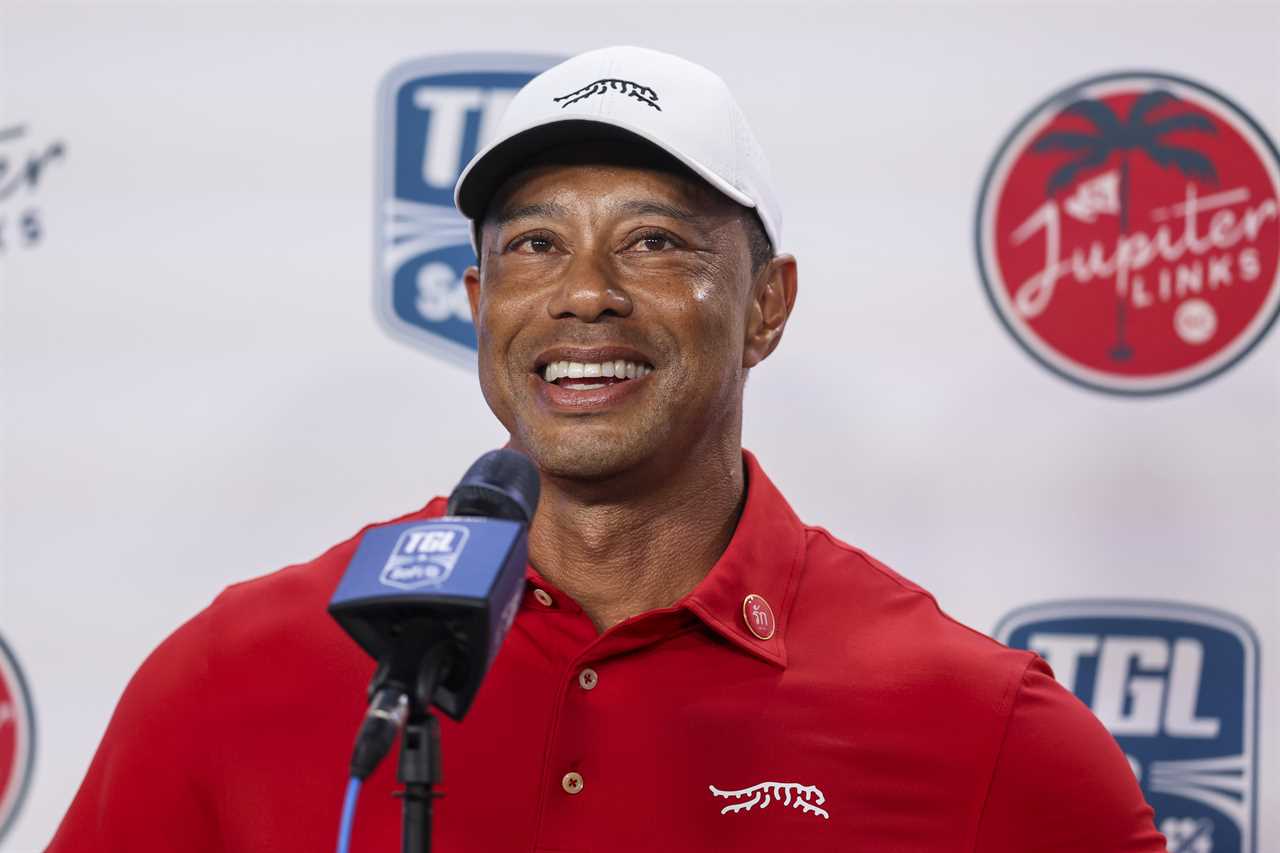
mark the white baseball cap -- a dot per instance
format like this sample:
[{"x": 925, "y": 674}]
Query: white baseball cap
[{"x": 629, "y": 92}]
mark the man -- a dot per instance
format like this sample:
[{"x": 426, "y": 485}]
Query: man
[{"x": 691, "y": 668}]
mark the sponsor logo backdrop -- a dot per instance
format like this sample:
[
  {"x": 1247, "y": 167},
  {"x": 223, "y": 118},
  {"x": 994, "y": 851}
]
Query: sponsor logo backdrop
[
  {"x": 1178, "y": 687},
  {"x": 198, "y": 387}
]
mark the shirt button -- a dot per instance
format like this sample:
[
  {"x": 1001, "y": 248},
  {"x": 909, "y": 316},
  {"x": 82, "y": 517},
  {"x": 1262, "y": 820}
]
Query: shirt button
[
  {"x": 588, "y": 679},
  {"x": 572, "y": 783},
  {"x": 544, "y": 597}
]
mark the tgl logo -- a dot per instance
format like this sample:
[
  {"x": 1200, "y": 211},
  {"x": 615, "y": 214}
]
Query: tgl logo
[
  {"x": 430, "y": 541},
  {"x": 1177, "y": 686},
  {"x": 433, "y": 116},
  {"x": 1144, "y": 685},
  {"x": 424, "y": 556},
  {"x": 448, "y": 110}
]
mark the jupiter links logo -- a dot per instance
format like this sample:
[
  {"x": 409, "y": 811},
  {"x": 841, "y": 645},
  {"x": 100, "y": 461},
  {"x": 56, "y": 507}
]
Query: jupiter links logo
[
  {"x": 17, "y": 738},
  {"x": 1128, "y": 236},
  {"x": 1178, "y": 688},
  {"x": 434, "y": 114},
  {"x": 25, "y": 158}
]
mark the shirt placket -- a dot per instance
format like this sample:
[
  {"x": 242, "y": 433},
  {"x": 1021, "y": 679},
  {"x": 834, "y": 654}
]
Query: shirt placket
[{"x": 571, "y": 815}]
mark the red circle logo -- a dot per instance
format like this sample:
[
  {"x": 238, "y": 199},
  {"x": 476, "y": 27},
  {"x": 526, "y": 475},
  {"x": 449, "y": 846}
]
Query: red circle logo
[
  {"x": 17, "y": 738},
  {"x": 758, "y": 615},
  {"x": 1128, "y": 233}
]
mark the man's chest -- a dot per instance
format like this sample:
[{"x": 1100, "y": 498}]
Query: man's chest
[
  {"x": 678, "y": 747},
  {"x": 682, "y": 744}
]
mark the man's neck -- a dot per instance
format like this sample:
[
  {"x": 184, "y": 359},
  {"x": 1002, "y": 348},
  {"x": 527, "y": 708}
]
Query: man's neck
[{"x": 640, "y": 542}]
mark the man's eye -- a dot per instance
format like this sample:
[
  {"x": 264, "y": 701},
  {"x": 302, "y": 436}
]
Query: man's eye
[
  {"x": 653, "y": 243},
  {"x": 535, "y": 244}
]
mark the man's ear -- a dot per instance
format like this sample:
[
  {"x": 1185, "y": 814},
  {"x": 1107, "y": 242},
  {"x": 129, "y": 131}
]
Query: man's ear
[
  {"x": 773, "y": 297},
  {"x": 471, "y": 279}
]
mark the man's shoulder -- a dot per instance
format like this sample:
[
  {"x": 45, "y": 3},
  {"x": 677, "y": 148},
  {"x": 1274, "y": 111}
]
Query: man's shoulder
[
  {"x": 281, "y": 607},
  {"x": 896, "y": 627}
]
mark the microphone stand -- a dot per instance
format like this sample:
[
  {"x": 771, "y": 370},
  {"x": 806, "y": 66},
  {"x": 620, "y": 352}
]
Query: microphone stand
[{"x": 419, "y": 770}]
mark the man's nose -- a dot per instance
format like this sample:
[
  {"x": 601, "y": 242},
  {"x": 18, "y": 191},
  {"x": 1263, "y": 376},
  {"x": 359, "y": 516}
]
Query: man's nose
[{"x": 588, "y": 291}]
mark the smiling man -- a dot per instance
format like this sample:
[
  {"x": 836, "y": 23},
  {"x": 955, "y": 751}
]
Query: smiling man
[
  {"x": 619, "y": 305},
  {"x": 692, "y": 667}
]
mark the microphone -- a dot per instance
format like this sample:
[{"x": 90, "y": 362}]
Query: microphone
[
  {"x": 500, "y": 484},
  {"x": 432, "y": 600}
]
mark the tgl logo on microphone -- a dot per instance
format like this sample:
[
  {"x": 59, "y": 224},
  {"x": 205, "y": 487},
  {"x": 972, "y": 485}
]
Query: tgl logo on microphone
[
  {"x": 424, "y": 556},
  {"x": 1177, "y": 686}
]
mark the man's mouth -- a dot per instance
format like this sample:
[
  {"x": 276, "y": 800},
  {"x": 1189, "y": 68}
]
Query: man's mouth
[{"x": 589, "y": 376}]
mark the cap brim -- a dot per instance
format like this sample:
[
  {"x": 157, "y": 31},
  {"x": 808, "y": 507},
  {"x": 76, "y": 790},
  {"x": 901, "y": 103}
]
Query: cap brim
[{"x": 487, "y": 172}]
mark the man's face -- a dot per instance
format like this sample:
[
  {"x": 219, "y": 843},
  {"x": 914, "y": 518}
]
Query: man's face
[{"x": 639, "y": 282}]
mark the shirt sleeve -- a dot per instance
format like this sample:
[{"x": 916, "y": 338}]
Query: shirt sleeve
[
  {"x": 148, "y": 787},
  {"x": 1061, "y": 783}
]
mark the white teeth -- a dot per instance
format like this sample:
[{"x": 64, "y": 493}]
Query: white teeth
[{"x": 619, "y": 369}]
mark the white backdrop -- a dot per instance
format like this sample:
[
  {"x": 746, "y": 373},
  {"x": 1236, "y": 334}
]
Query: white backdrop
[{"x": 196, "y": 389}]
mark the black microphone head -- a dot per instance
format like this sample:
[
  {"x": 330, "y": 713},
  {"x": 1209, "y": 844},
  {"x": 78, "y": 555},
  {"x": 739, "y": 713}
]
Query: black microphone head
[{"x": 500, "y": 484}]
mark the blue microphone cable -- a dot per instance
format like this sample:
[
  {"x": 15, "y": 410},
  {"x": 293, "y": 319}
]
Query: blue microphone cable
[
  {"x": 348, "y": 815},
  {"x": 382, "y": 722}
]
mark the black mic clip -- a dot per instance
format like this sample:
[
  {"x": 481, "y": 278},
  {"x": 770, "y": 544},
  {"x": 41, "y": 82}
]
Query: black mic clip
[{"x": 387, "y": 714}]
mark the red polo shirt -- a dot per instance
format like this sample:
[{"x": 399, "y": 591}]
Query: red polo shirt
[{"x": 868, "y": 720}]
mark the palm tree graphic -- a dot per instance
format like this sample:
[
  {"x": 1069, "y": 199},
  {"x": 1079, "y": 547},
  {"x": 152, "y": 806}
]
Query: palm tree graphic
[{"x": 1111, "y": 136}]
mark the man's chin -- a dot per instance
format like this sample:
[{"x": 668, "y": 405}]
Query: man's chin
[{"x": 575, "y": 456}]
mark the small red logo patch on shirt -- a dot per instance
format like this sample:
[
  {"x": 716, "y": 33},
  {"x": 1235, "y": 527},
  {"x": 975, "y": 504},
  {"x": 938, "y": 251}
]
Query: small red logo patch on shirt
[{"x": 758, "y": 616}]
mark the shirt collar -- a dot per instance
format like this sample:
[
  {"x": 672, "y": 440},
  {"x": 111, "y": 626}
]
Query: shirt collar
[{"x": 764, "y": 558}]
